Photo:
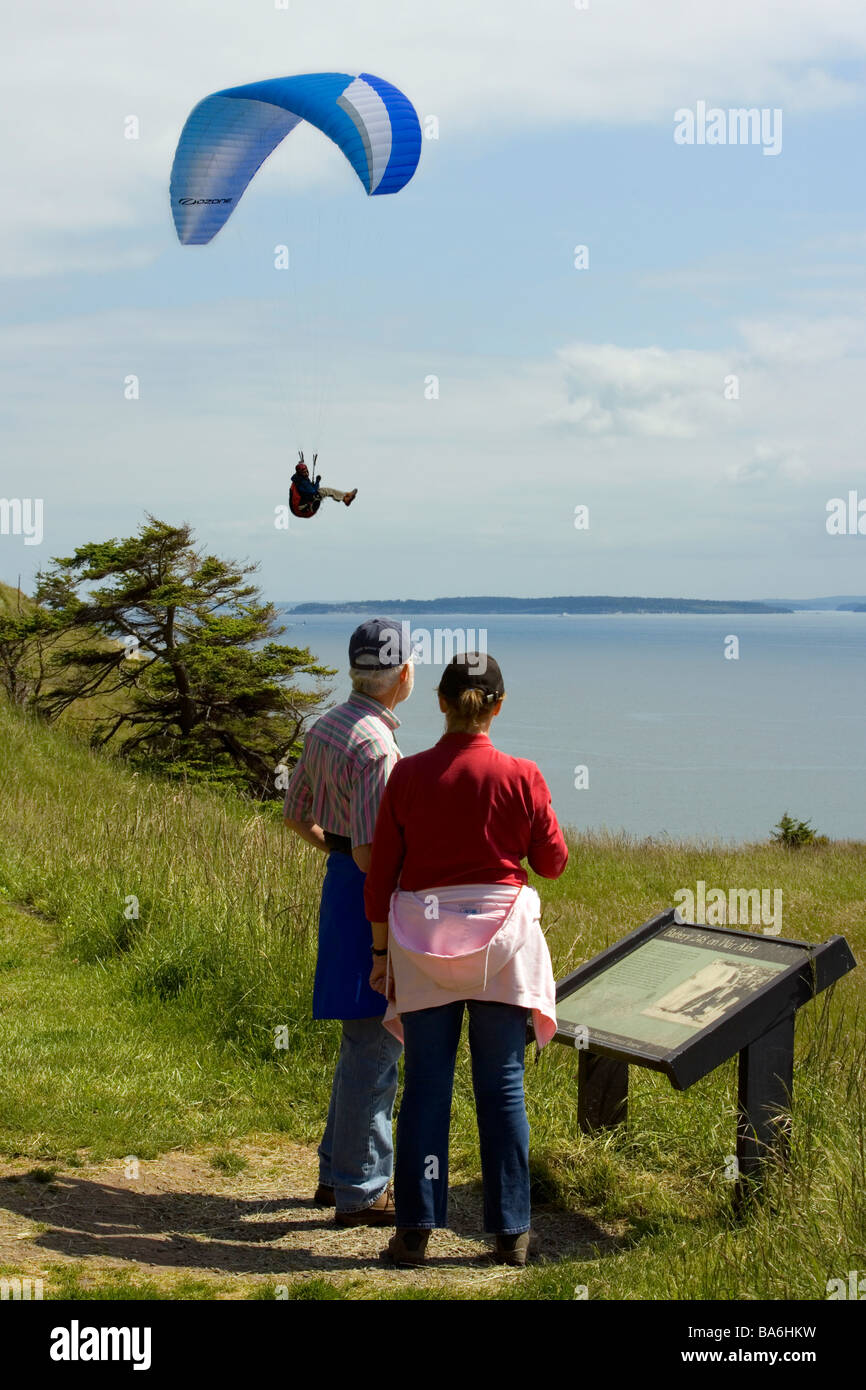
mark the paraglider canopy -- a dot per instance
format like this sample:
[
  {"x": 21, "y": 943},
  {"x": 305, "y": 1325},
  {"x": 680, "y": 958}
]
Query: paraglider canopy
[{"x": 230, "y": 134}]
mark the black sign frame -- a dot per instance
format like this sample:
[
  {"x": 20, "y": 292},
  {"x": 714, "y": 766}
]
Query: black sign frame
[{"x": 688, "y": 1061}]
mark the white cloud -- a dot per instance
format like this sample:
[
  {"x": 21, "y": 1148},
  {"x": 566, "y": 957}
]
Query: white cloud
[
  {"x": 769, "y": 462},
  {"x": 790, "y": 420},
  {"x": 649, "y": 392},
  {"x": 803, "y": 341},
  {"x": 699, "y": 279}
]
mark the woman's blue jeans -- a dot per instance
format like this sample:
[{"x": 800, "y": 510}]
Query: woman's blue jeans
[{"x": 497, "y": 1042}]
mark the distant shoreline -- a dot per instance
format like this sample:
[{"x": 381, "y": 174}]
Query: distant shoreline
[
  {"x": 571, "y": 605},
  {"x": 565, "y": 606}
]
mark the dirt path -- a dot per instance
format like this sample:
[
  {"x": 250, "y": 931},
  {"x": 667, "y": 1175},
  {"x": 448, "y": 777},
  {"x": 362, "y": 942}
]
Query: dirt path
[{"x": 181, "y": 1218}]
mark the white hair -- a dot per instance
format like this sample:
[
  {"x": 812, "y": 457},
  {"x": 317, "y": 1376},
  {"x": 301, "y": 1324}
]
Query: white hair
[{"x": 374, "y": 682}]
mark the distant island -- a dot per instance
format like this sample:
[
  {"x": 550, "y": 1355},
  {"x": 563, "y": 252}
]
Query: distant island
[
  {"x": 837, "y": 603},
  {"x": 564, "y": 605}
]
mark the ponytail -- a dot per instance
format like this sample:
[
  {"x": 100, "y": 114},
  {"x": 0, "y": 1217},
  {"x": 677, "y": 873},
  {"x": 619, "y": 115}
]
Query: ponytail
[{"x": 470, "y": 712}]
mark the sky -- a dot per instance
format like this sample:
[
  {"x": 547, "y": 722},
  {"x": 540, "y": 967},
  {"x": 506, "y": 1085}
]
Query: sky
[{"x": 694, "y": 377}]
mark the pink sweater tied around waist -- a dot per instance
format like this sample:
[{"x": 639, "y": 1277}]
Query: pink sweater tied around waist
[{"x": 471, "y": 941}]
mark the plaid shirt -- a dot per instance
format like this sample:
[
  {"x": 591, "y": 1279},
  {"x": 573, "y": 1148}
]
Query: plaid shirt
[{"x": 347, "y": 758}]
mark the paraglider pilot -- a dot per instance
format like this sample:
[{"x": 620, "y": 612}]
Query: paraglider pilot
[{"x": 305, "y": 494}]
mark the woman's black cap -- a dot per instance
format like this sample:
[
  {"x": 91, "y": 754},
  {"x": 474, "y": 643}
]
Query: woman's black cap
[{"x": 472, "y": 671}]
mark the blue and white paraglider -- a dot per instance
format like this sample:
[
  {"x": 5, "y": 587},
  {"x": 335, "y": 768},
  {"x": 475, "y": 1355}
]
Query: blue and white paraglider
[{"x": 230, "y": 134}]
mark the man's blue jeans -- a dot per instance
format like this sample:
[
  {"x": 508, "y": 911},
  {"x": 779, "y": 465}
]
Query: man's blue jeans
[
  {"x": 356, "y": 1155},
  {"x": 497, "y": 1042}
]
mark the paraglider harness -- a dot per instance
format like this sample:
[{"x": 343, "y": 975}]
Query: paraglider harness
[{"x": 299, "y": 504}]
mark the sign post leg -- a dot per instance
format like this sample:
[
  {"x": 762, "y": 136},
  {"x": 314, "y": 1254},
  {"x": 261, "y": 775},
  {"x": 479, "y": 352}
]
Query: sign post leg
[
  {"x": 766, "y": 1082},
  {"x": 602, "y": 1096}
]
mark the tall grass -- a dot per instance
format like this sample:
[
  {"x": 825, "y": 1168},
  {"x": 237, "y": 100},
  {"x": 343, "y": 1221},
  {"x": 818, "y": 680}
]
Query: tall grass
[{"x": 200, "y": 895}]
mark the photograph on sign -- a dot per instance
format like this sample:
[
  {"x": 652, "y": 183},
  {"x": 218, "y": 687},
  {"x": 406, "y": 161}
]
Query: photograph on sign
[{"x": 706, "y": 995}]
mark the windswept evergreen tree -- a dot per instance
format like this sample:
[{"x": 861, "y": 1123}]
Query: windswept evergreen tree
[{"x": 191, "y": 675}]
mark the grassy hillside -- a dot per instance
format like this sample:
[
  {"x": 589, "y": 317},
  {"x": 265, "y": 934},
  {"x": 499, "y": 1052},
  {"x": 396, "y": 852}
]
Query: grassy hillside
[
  {"x": 13, "y": 600},
  {"x": 81, "y": 716},
  {"x": 171, "y": 931}
]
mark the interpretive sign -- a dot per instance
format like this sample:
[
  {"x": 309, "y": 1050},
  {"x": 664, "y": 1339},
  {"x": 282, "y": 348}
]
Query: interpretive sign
[
  {"x": 672, "y": 986},
  {"x": 682, "y": 998}
]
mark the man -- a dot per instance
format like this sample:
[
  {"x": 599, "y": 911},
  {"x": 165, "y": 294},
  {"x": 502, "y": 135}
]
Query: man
[
  {"x": 305, "y": 493},
  {"x": 331, "y": 802}
]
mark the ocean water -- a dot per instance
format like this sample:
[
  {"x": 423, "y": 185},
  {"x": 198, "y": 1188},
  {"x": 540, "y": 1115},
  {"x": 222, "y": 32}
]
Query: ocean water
[{"x": 675, "y": 738}]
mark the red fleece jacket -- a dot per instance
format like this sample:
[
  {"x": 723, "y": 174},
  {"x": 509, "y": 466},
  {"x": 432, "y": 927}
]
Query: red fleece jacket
[{"x": 461, "y": 812}]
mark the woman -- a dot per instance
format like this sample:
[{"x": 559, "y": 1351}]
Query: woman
[{"x": 455, "y": 926}]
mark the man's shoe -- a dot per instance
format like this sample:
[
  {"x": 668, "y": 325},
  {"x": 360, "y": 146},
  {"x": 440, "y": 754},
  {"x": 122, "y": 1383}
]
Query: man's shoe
[
  {"x": 407, "y": 1247},
  {"x": 324, "y": 1196},
  {"x": 349, "y": 497},
  {"x": 511, "y": 1250},
  {"x": 381, "y": 1213}
]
